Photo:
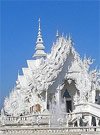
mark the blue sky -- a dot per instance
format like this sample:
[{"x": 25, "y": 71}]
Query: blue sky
[{"x": 19, "y": 25}]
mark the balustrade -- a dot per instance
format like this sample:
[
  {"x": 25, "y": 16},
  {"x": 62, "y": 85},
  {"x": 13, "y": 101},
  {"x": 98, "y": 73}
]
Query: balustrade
[{"x": 64, "y": 120}]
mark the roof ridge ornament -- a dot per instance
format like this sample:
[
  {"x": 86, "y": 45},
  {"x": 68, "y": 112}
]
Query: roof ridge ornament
[{"x": 70, "y": 39}]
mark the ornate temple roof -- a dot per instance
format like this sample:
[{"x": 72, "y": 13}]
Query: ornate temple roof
[{"x": 52, "y": 69}]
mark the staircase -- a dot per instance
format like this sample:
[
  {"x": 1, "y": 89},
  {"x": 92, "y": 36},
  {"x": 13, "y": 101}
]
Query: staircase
[{"x": 89, "y": 108}]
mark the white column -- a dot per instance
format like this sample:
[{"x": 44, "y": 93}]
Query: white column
[
  {"x": 65, "y": 104},
  {"x": 78, "y": 121},
  {"x": 97, "y": 121},
  {"x": 46, "y": 99},
  {"x": 58, "y": 97},
  {"x": 90, "y": 120},
  {"x": 93, "y": 96}
]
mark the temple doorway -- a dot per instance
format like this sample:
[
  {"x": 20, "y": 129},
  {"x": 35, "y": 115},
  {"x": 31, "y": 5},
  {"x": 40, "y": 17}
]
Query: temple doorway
[
  {"x": 68, "y": 101},
  {"x": 68, "y": 94},
  {"x": 69, "y": 106}
]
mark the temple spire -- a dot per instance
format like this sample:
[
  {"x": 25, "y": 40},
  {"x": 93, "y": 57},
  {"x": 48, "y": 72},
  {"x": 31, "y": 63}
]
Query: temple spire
[
  {"x": 39, "y": 29},
  {"x": 70, "y": 39},
  {"x": 57, "y": 34},
  {"x": 39, "y": 44}
]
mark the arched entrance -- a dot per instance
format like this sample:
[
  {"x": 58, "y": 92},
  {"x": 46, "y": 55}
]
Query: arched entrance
[
  {"x": 68, "y": 101},
  {"x": 68, "y": 95}
]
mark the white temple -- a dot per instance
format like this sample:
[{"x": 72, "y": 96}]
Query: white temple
[{"x": 59, "y": 87}]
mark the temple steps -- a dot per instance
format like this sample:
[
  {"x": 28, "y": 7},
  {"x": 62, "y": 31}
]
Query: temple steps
[{"x": 77, "y": 133}]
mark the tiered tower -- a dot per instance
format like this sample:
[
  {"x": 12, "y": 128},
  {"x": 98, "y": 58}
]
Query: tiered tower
[{"x": 39, "y": 45}]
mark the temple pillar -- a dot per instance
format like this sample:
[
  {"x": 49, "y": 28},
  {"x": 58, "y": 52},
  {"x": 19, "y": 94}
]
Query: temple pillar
[
  {"x": 66, "y": 123},
  {"x": 78, "y": 122},
  {"x": 97, "y": 121},
  {"x": 90, "y": 120},
  {"x": 58, "y": 98},
  {"x": 46, "y": 99},
  {"x": 93, "y": 96},
  {"x": 65, "y": 104}
]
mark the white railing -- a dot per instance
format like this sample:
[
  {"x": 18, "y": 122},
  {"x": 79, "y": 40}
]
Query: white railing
[
  {"x": 64, "y": 120},
  {"x": 94, "y": 109},
  {"x": 26, "y": 120}
]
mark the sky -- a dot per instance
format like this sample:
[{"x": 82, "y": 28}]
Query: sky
[{"x": 19, "y": 26}]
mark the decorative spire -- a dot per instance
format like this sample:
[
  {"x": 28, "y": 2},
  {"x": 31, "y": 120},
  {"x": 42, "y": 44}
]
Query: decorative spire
[
  {"x": 39, "y": 29},
  {"x": 39, "y": 24},
  {"x": 69, "y": 38},
  {"x": 66, "y": 36},
  {"x": 39, "y": 44},
  {"x": 17, "y": 78},
  {"x": 62, "y": 34},
  {"x": 57, "y": 35},
  {"x": 18, "y": 74}
]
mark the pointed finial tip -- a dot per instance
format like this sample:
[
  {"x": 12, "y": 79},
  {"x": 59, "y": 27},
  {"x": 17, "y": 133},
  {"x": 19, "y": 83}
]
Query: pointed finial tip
[
  {"x": 62, "y": 34},
  {"x": 18, "y": 73},
  {"x": 39, "y": 19},
  {"x": 39, "y": 24},
  {"x": 57, "y": 34},
  {"x": 69, "y": 37}
]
